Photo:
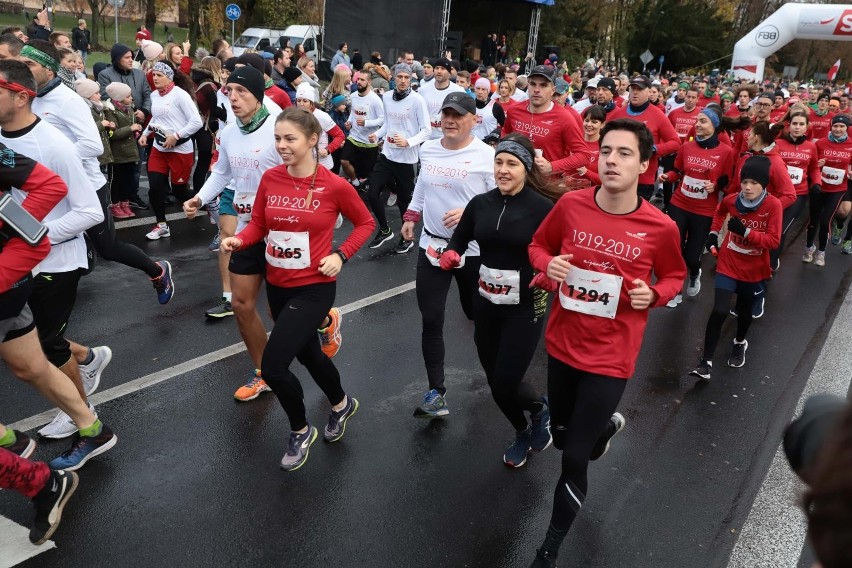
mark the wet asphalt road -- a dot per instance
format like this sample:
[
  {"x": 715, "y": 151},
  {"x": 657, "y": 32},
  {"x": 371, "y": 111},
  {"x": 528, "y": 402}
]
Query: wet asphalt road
[{"x": 194, "y": 480}]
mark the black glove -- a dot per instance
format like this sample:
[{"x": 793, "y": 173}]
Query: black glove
[
  {"x": 816, "y": 189},
  {"x": 712, "y": 242},
  {"x": 736, "y": 226},
  {"x": 220, "y": 112}
]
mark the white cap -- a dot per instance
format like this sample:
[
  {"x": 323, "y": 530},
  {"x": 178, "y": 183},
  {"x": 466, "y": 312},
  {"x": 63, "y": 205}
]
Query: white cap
[
  {"x": 307, "y": 92},
  {"x": 593, "y": 83}
]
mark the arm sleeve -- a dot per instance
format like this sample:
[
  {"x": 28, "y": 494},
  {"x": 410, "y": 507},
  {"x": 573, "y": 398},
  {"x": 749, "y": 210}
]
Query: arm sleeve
[
  {"x": 507, "y": 124},
  {"x": 190, "y": 111},
  {"x": 336, "y": 139},
  {"x": 146, "y": 94},
  {"x": 669, "y": 269},
  {"x": 185, "y": 65},
  {"x": 425, "y": 125},
  {"x": 85, "y": 207},
  {"x": 719, "y": 217},
  {"x": 379, "y": 110},
  {"x": 418, "y": 198},
  {"x": 814, "y": 175},
  {"x": 78, "y": 119},
  {"x": 498, "y": 113},
  {"x": 353, "y": 208},
  {"x": 44, "y": 188},
  {"x": 669, "y": 140},
  {"x": 463, "y": 233},
  {"x": 572, "y": 138},
  {"x": 547, "y": 240},
  {"x": 785, "y": 191},
  {"x": 256, "y": 229},
  {"x": 593, "y": 176}
]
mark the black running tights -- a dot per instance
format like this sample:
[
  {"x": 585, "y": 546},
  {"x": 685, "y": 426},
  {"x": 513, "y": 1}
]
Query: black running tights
[
  {"x": 823, "y": 207},
  {"x": 298, "y": 312},
  {"x": 159, "y": 190},
  {"x": 385, "y": 172},
  {"x": 721, "y": 309},
  {"x": 790, "y": 215},
  {"x": 693, "y": 229}
]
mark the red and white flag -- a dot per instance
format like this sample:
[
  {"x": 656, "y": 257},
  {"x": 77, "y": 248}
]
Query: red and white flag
[{"x": 832, "y": 73}]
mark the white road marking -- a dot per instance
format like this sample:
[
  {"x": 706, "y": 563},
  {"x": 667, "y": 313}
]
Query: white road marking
[
  {"x": 140, "y": 221},
  {"x": 15, "y": 544}
]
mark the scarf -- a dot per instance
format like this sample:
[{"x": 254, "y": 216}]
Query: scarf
[
  {"x": 256, "y": 121},
  {"x": 49, "y": 86},
  {"x": 481, "y": 104},
  {"x": 748, "y": 205},
  {"x": 833, "y": 138},
  {"x": 167, "y": 89},
  {"x": 121, "y": 107},
  {"x": 707, "y": 143},
  {"x": 818, "y": 113},
  {"x": 608, "y": 106},
  {"x": 397, "y": 96},
  {"x": 67, "y": 77},
  {"x": 637, "y": 110},
  {"x": 268, "y": 83}
]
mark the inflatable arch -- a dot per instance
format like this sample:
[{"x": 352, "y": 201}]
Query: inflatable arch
[{"x": 789, "y": 22}]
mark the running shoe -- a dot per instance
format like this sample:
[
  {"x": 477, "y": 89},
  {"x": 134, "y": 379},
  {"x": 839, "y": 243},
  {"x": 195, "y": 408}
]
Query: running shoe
[
  {"x": 434, "y": 405},
  {"x": 819, "y": 258},
  {"x": 298, "y": 448},
  {"x": 336, "y": 426},
  {"x": 544, "y": 559},
  {"x": 516, "y": 454},
  {"x": 339, "y": 222},
  {"x": 776, "y": 266},
  {"x": 221, "y": 310},
  {"x": 403, "y": 246},
  {"x": 541, "y": 437},
  {"x": 117, "y": 211},
  {"x": 675, "y": 302},
  {"x": 128, "y": 211},
  {"x": 703, "y": 370},
  {"x": 91, "y": 373},
  {"x": 737, "y": 358},
  {"x": 614, "y": 426},
  {"x": 254, "y": 387},
  {"x": 847, "y": 247},
  {"x": 61, "y": 426},
  {"x": 23, "y": 446},
  {"x": 757, "y": 308},
  {"x": 391, "y": 199},
  {"x": 83, "y": 449},
  {"x": 330, "y": 337},
  {"x": 382, "y": 236},
  {"x": 158, "y": 232},
  {"x": 164, "y": 284},
  {"x": 694, "y": 285},
  {"x": 49, "y": 504},
  {"x": 214, "y": 244},
  {"x": 137, "y": 203},
  {"x": 356, "y": 183},
  {"x": 836, "y": 233},
  {"x": 808, "y": 256}
]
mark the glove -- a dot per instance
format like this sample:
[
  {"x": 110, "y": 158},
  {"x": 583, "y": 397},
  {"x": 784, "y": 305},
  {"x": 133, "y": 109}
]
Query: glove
[
  {"x": 816, "y": 189},
  {"x": 540, "y": 280},
  {"x": 450, "y": 259},
  {"x": 220, "y": 112},
  {"x": 736, "y": 226},
  {"x": 712, "y": 242}
]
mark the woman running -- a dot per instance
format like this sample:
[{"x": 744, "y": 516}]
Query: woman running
[
  {"x": 593, "y": 120},
  {"x": 754, "y": 228},
  {"x": 294, "y": 211},
  {"x": 508, "y": 311},
  {"x": 332, "y": 136}
]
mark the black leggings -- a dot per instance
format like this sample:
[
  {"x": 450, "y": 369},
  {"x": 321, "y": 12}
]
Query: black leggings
[
  {"x": 433, "y": 285},
  {"x": 721, "y": 308},
  {"x": 581, "y": 405},
  {"x": 384, "y": 172},
  {"x": 109, "y": 248},
  {"x": 122, "y": 187},
  {"x": 294, "y": 336},
  {"x": 204, "y": 144},
  {"x": 159, "y": 190},
  {"x": 693, "y": 229},
  {"x": 790, "y": 215},
  {"x": 823, "y": 207},
  {"x": 506, "y": 347}
]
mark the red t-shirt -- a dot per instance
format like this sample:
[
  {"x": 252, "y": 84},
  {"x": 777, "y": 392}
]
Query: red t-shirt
[
  {"x": 554, "y": 132},
  {"x": 819, "y": 126},
  {"x": 780, "y": 184},
  {"x": 747, "y": 258},
  {"x": 592, "y": 326},
  {"x": 837, "y": 156},
  {"x": 299, "y": 235},
  {"x": 594, "y": 151},
  {"x": 683, "y": 121},
  {"x": 694, "y": 165},
  {"x": 801, "y": 160},
  {"x": 665, "y": 137},
  {"x": 278, "y": 96}
]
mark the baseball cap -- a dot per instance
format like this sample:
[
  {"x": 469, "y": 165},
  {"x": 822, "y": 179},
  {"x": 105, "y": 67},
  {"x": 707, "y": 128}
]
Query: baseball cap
[
  {"x": 593, "y": 83},
  {"x": 640, "y": 81},
  {"x": 561, "y": 86},
  {"x": 546, "y": 71},
  {"x": 460, "y": 102}
]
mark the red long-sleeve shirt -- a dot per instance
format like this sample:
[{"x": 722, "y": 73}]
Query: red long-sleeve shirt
[
  {"x": 554, "y": 132},
  {"x": 819, "y": 126},
  {"x": 837, "y": 156},
  {"x": 683, "y": 121},
  {"x": 279, "y": 96},
  {"x": 693, "y": 166},
  {"x": 594, "y": 151},
  {"x": 298, "y": 224},
  {"x": 44, "y": 190},
  {"x": 780, "y": 184},
  {"x": 610, "y": 252},
  {"x": 666, "y": 138},
  {"x": 747, "y": 258},
  {"x": 801, "y": 160}
]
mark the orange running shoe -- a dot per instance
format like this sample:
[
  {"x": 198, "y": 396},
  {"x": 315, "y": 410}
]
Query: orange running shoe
[
  {"x": 330, "y": 337},
  {"x": 253, "y": 388}
]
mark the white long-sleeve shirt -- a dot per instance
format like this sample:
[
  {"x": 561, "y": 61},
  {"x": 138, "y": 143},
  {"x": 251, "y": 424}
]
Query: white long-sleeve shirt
[
  {"x": 408, "y": 118},
  {"x": 69, "y": 113},
  {"x": 434, "y": 101},
  {"x": 175, "y": 113},
  {"x": 448, "y": 180},
  {"x": 243, "y": 158},
  {"x": 78, "y": 210},
  {"x": 370, "y": 108}
]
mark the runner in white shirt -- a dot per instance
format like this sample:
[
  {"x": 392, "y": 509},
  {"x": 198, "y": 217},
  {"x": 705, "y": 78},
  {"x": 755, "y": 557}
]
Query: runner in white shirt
[
  {"x": 361, "y": 149},
  {"x": 434, "y": 93},
  {"x": 489, "y": 114},
  {"x": 453, "y": 170},
  {"x": 588, "y": 100}
]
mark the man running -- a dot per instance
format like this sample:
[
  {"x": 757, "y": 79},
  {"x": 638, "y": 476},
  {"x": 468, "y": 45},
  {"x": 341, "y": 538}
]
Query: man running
[
  {"x": 434, "y": 93},
  {"x": 366, "y": 116}
]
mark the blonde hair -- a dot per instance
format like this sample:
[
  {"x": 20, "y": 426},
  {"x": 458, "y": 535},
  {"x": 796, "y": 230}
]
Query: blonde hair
[
  {"x": 338, "y": 82},
  {"x": 303, "y": 62},
  {"x": 168, "y": 52},
  {"x": 214, "y": 66}
]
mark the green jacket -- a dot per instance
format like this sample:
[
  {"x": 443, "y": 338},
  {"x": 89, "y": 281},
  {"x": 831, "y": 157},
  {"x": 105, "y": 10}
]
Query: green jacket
[
  {"x": 122, "y": 140},
  {"x": 98, "y": 117}
]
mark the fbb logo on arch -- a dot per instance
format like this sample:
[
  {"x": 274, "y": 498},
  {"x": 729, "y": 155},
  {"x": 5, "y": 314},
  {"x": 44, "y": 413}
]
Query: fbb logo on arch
[{"x": 844, "y": 24}]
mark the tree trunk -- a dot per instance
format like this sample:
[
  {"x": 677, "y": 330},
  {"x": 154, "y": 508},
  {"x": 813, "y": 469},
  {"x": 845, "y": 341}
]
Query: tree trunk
[
  {"x": 95, "y": 27},
  {"x": 151, "y": 16},
  {"x": 194, "y": 13}
]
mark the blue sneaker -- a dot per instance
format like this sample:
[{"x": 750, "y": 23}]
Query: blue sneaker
[
  {"x": 541, "y": 437},
  {"x": 516, "y": 455},
  {"x": 336, "y": 426},
  {"x": 83, "y": 449},
  {"x": 164, "y": 284},
  {"x": 433, "y": 406}
]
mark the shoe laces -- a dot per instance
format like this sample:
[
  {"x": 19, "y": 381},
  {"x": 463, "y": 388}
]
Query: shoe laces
[
  {"x": 431, "y": 397},
  {"x": 253, "y": 380},
  {"x": 293, "y": 443},
  {"x": 79, "y": 442}
]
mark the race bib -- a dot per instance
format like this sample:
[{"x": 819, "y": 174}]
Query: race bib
[
  {"x": 500, "y": 286},
  {"x": 288, "y": 250},
  {"x": 436, "y": 122},
  {"x": 694, "y": 188},
  {"x": 435, "y": 249},
  {"x": 591, "y": 293},
  {"x": 243, "y": 203},
  {"x": 796, "y": 174},
  {"x": 833, "y": 176},
  {"x": 737, "y": 244}
]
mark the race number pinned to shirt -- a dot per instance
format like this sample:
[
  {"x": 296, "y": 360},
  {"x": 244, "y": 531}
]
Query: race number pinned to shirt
[
  {"x": 738, "y": 244},
  {"x": 500, "y": 286},
  {"x": 591, "y": 293},
  {"x": 694, "y": 187},
  {"x": 796, "y": 174},
  {"x": 288, "y": 250},
  {"x": 243, "y": 203},
  {"x": 436, "y": 122},
  {"x": 436, "y": 248},
  {"x": 833, "y": 176}
]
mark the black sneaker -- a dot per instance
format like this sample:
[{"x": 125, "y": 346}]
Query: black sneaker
[
  {"x": 23, "y": 446},
  {"x": 544, "y": 559},
  {"x": 221, "y": 310},
  {"x": 403, "y": 246},
  {"x": 702, "y": 371},
  {"x": 737, "y": 358},
  {"x": 615, "y": 425},
  {"x": 138, "y": 203},
  {"x": 49, "y": 504},
  {"x": 383, "y": 236}
]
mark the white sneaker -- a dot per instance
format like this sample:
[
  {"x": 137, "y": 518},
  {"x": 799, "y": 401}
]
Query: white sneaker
[
  {"x": 61, "y": 426},
  {"x": 391, "y": 200},
  {"x": 158, "y": 232},
  {"x": 694, "y": 286},
  {"x": 339, "y": 222},
  {"x": 819, "y": 258},
  {"x": 91, "y": 373},
  {"x": 808, "y": 255},
  {"x": 673, "y": 303}
]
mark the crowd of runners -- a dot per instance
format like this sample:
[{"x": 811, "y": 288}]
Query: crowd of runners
[{"x": 592, "y": 196}]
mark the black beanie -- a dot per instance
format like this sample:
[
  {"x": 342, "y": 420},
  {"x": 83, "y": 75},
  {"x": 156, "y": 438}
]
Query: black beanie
[
  {"x": 230, "y": 64},
  {"x": 779, "y": 93},
  {"x": 291, "y": 74},
  {"x": 756, "y": 168},
  {"x": 250, "y": 78},
  {"x": 608, "y": 83},
  {"x": 252, "y": 59},
  {"x": 117, "y": 52},
  {"x": 841, "y": 118}
]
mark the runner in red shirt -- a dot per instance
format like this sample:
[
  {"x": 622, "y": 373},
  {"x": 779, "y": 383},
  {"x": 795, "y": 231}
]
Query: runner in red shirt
[
  {"x": 779, "y": 107},
  {"x": 593, "y": 120},
  {"x": 683, "y": 119},
  {"x": 754, "y": 228},
  {"x": 820, "y": 119},
  {"x": 599, "y": 248},
  {"x": 294, "y": 212}
]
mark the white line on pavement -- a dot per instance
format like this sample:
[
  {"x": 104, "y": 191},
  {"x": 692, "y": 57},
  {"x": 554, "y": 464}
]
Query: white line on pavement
[
  {"x": 139, "y": 221},
  {"x": 15, "y": 544},
  {"x": 155, "y": 378}
]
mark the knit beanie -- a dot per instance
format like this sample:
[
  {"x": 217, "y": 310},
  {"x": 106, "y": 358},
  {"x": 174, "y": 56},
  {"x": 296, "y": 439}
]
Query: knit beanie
[
  {"x": 337, "y": 100},
  {"x": 482, "y": 83},
  {"x": 86, "y": 87},
  {"x": 151, "y": 49},
  {"x": 291, "y": 74},
  {"x": 250, "y": 78},
  {"x": 230, "y": 64},
  {"x": 756, "y": 168},
  {"x": 251, "y": 59},
  {"x": 118, "y": 91},
  {"x": 117, "y": 52},
  {"x": 307, "y": 92}
]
